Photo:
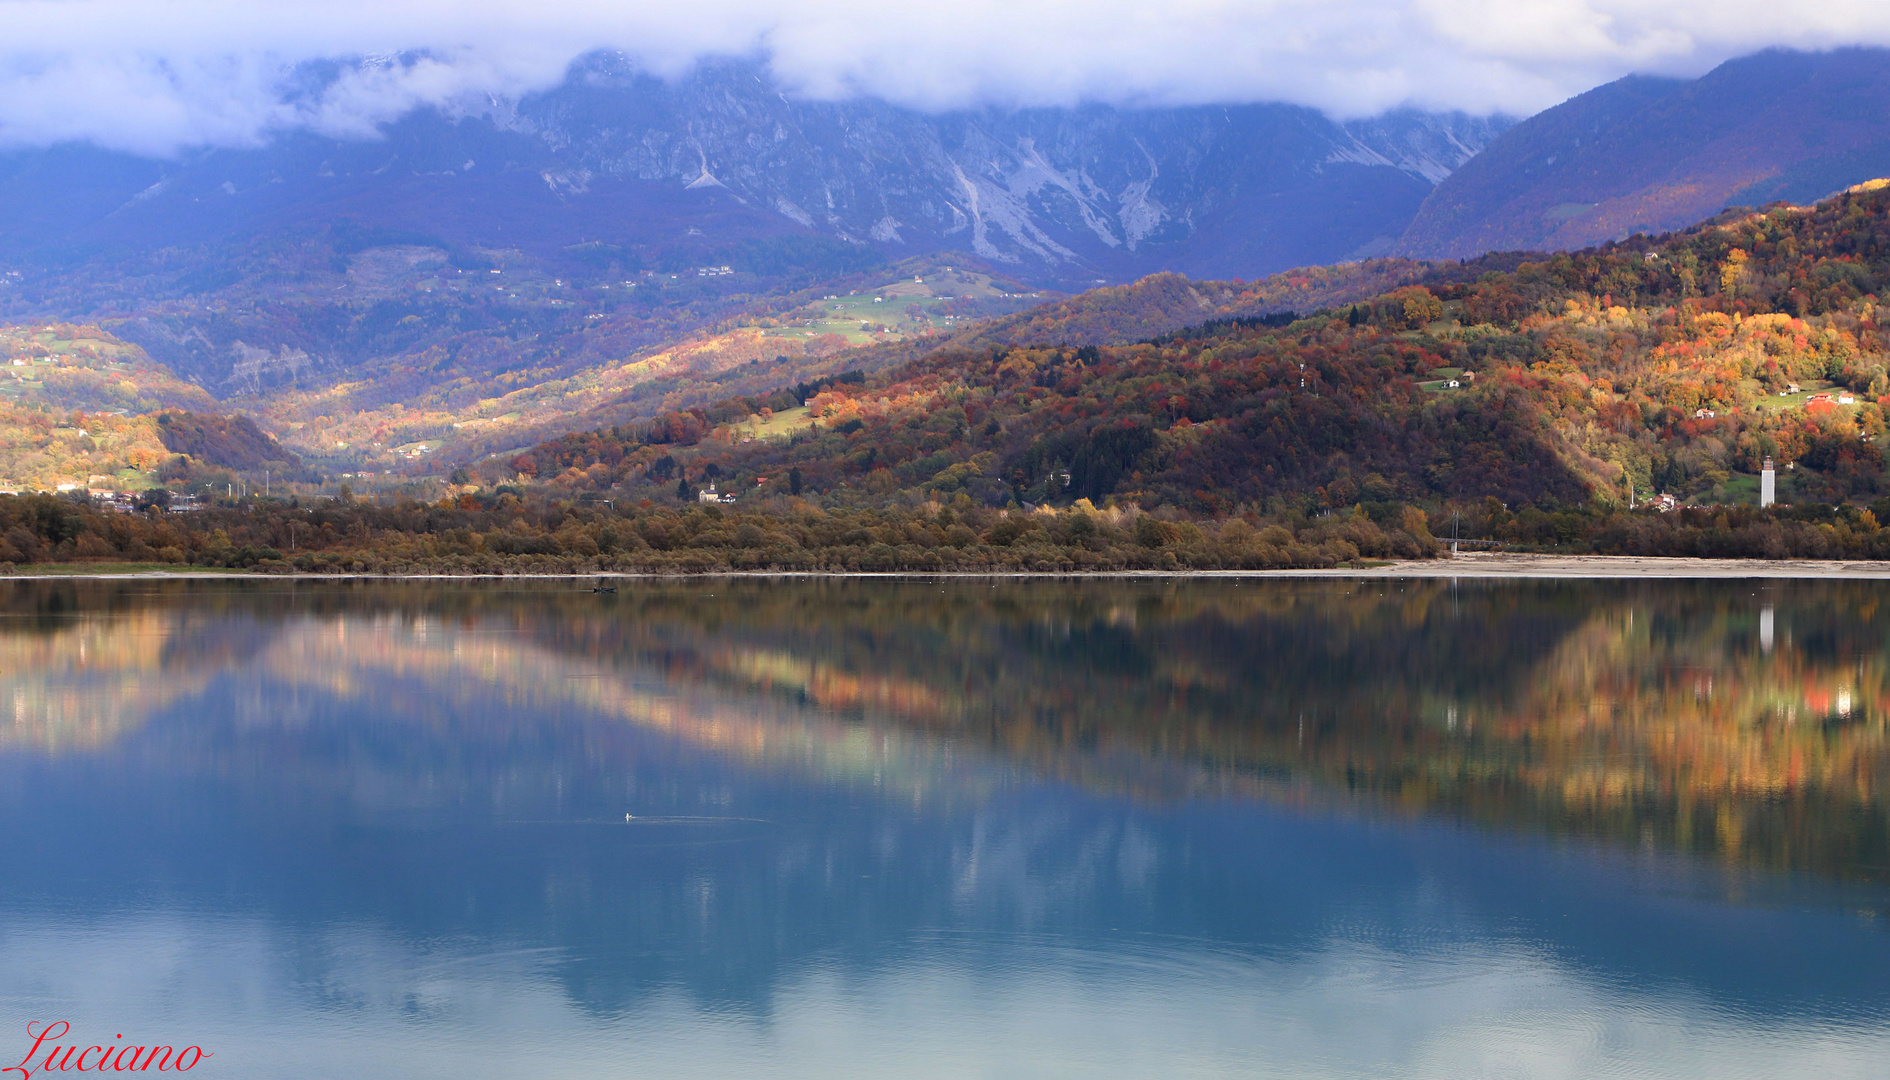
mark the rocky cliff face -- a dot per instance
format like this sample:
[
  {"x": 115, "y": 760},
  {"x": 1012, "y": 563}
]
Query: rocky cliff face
[
  {"x": 614, "y": 156},
  {"x": 1238, "y": 190}
]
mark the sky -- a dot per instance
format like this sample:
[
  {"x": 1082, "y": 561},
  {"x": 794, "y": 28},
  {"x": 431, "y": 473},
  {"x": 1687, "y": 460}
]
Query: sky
[{"x": 158, "y": 77}]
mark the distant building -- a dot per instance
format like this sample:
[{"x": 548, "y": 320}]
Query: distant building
[
  {"x": 1845, "y": 397},
  {"x": 710, "y": 496},
  {"x": 117, "y": 502},
  {"x": 1704, "y": 414},
  {"x": 1768, "y": 485},
  {"x": 1664, "y": 503}
]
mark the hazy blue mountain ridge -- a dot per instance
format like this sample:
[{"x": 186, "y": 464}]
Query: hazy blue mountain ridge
[
  {"x": 1645, "y": 155},
  {"x": 618, "y": 159}
]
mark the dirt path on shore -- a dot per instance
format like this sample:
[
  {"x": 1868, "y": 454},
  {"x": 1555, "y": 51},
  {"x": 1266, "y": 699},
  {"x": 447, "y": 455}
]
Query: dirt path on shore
[{"x": 1506, "y": 564}]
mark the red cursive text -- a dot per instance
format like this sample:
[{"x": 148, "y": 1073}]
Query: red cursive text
[{"x": 114, "y": 1058}]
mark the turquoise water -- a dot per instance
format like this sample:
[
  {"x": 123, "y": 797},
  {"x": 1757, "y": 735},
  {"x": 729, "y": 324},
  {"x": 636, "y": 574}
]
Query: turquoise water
[{"x": 951, "y": 828}]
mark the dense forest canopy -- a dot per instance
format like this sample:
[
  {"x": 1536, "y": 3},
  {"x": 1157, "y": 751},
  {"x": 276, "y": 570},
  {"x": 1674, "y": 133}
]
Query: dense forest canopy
[{"x": 1673, "y": 364}]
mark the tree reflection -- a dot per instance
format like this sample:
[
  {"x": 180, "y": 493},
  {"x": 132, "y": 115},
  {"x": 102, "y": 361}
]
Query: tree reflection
[{"x": 1742, "y": 720}]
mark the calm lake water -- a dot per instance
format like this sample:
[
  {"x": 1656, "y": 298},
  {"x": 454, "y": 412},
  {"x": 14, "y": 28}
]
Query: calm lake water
[{"x": 951, "y": 828}]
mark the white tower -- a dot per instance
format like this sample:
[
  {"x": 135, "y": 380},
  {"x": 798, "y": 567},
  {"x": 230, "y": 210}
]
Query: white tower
[{"x": 1768, "y": 491}]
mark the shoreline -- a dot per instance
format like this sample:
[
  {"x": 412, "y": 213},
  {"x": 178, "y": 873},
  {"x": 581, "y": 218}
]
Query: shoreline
[{"x": 1480, "y": 565}]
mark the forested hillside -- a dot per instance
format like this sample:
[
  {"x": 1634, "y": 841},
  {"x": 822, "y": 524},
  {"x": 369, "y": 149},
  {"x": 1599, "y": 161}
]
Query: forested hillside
[
  {"x": 1521, "y": 401},
  {"x": 439, "y": 379},
  {"x": 1671, "y": 364},
  {"x": 230, "y": 442}
]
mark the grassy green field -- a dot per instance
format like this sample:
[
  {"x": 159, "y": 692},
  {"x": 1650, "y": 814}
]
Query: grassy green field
[
  {"x": 1797, "y": 401},
  {"x": 1437, "y": 378},
  {"x": 904, "y": 307},
  {"x": 781, "y": 425},
  {"x": 1741, "y": 489}
]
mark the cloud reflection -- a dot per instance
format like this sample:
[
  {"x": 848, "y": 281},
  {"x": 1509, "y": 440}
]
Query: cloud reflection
[{"x": 352, "y": 1001}]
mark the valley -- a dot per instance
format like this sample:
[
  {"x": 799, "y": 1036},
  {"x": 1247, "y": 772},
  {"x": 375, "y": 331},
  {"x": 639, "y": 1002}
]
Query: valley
[{"x": 384, "y": 342}]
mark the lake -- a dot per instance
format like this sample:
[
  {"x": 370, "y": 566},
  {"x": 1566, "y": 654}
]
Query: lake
[{"x": 964, "y": 828}]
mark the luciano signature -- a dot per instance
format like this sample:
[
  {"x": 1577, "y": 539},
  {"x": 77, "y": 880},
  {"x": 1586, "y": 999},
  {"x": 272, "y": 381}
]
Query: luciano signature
[{"x": 114, "y": 1058}]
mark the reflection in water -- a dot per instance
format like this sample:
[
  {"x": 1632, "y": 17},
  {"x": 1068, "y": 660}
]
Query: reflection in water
[
  {"x": 1149, "y": 828},
  {"x": 1139, "y": 1009},
  {"x": 82, "y": 683}
]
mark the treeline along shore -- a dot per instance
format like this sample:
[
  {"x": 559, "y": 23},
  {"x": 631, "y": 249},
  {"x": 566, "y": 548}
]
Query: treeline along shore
[
  {"x": 524, "y": 532},
  {"x": 508, "y": 532}
]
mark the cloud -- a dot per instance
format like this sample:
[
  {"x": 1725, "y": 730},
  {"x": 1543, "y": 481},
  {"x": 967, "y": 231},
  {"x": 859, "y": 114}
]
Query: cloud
[{"x": 156, "y": 77}]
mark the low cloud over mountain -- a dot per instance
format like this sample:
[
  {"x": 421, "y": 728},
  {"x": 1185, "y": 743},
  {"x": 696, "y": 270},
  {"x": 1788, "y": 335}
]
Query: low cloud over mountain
[{"x": 158, "y": 78}]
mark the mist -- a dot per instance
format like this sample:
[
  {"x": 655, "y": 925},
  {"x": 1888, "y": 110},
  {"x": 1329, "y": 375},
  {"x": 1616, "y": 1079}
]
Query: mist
[{"x": 160, "y": 78}]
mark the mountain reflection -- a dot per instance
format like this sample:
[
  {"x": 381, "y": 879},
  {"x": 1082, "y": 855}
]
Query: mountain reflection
[
  {"x": 1742, "y": 720},
  {"x": 761, "y": 800},
  {"x": 80, "y": 683}
]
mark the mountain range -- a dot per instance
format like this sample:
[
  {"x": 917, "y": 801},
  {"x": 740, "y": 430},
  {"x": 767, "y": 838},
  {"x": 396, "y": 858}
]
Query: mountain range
[
  {"x": 615, "y": 170},
  {"x": 641, "y": 168},
  {"x": 483, "y": 277}
]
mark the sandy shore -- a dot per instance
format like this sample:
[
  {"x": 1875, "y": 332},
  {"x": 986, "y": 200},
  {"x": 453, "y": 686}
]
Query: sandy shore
[
  {"x": 1504, "y": 564},
  {"x": 1479, "y": 565}
]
